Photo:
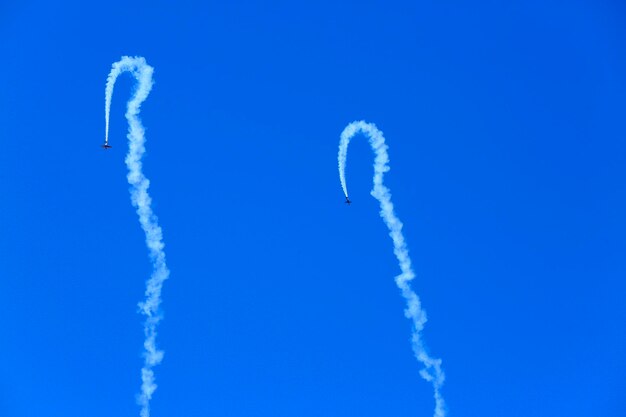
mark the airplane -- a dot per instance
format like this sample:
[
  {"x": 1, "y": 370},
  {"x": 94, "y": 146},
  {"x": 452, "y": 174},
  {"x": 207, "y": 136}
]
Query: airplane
[
  {"x": 348, "y": 202},
  {"x": 106, "y": 146}
]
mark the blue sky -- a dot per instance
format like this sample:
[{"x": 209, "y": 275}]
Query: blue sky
[{"x": 505, "y": 127}]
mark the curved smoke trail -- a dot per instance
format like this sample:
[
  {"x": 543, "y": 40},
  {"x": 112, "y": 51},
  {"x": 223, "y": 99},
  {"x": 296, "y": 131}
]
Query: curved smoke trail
[
  {"x": 432, "y": 367},
  {"x": 140, "y": 198}
]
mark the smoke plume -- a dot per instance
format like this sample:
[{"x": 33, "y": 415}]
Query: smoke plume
[
  {"x": 140, "y": 198},
  {"x": 432, "y": 371}
]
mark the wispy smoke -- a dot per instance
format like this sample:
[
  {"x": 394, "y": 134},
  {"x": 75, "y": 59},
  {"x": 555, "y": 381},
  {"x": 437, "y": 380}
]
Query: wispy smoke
[
  {"x": 432, "y": 371},
  {"x": 140, "y": 198}
]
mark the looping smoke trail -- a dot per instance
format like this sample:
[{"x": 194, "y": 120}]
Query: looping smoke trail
[
  {"x": 140, "y": 198},
  {"x": 432, "y": 371}
]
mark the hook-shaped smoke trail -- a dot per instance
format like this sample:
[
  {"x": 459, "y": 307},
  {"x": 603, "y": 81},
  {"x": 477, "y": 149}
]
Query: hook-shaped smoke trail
[
  {"x": 140, "y": 198},
  {"x": 432, "y": 371}
]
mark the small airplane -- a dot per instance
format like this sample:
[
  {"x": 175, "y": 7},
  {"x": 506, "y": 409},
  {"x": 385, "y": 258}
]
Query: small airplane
[
  {"x": 106, "y": 146},
  {"x": 348, "y": 202}
]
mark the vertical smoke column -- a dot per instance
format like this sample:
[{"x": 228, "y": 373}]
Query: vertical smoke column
[
  {"x": 432, "y": 367},
  {"x": 149, "y": 223}
]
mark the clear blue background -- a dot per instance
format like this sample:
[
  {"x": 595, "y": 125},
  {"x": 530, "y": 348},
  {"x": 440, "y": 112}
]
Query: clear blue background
[{"x": 505, "y": 122}]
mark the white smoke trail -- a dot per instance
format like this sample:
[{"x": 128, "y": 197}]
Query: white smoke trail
[
  {"x": 140, "y": 198},
  {"x": 432, "y": 371}
]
